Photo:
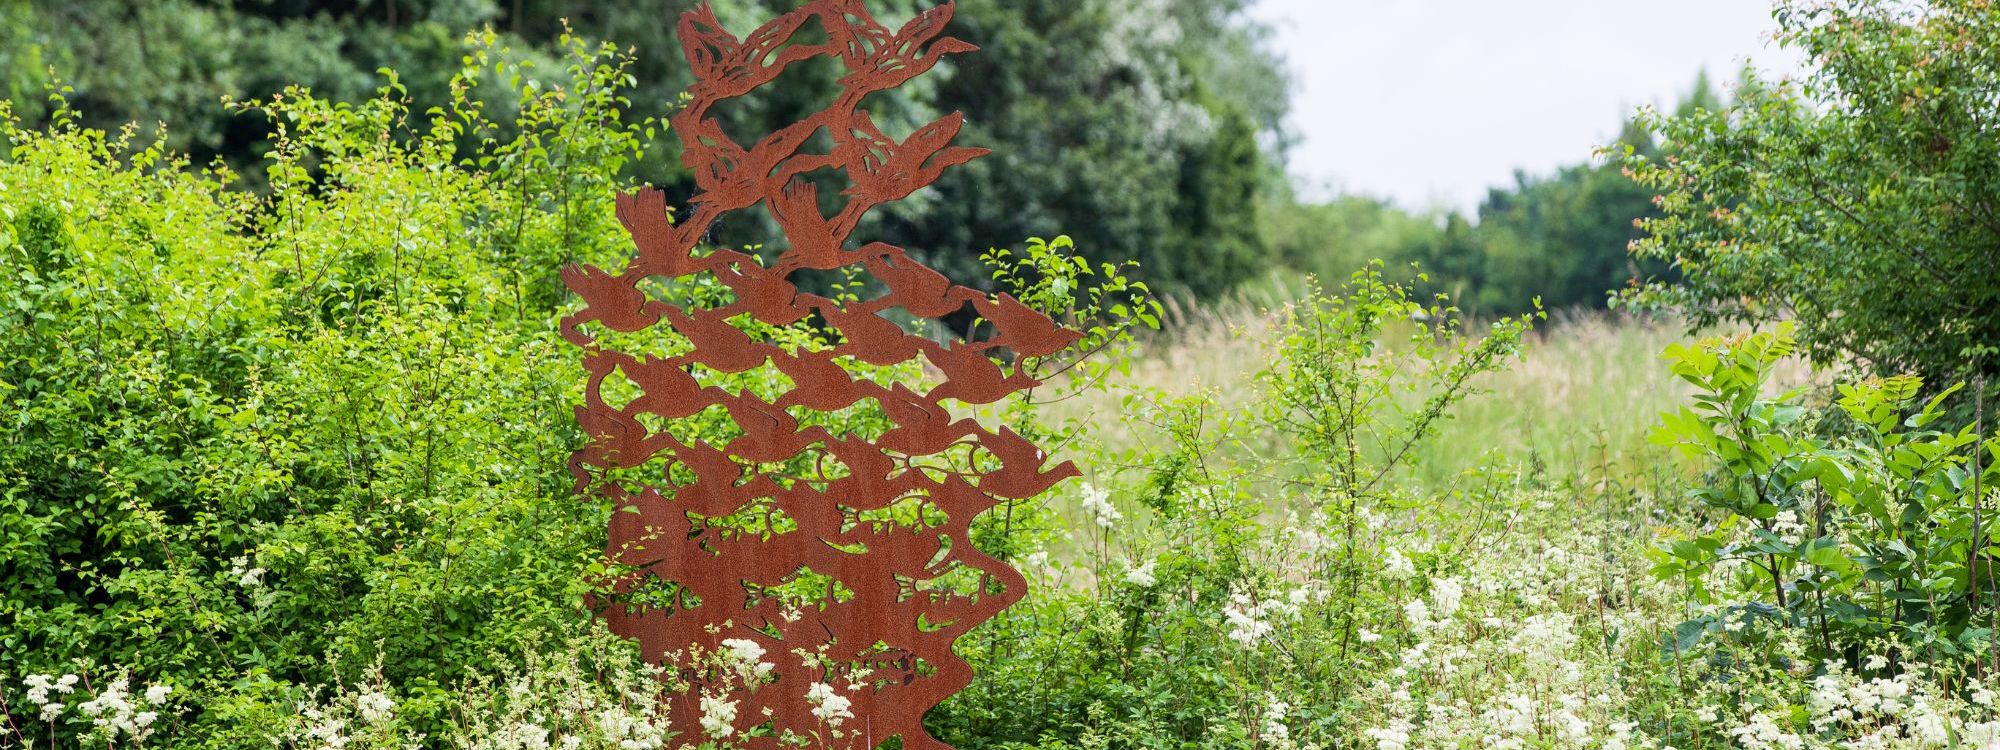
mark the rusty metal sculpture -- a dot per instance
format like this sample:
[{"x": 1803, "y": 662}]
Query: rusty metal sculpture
[{"x": 881, "y": 637}]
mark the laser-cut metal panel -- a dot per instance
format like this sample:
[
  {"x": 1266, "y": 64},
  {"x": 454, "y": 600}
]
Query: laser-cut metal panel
[{"x": 826, "y": 505}]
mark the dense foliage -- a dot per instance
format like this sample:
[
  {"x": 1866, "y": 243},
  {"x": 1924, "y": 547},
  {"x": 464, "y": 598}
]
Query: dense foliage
[
  {"x": 255, "y": 442},
  {"x": 1861, "y": 199},
  {"x": 1878, "y": 533},
  {"x": 1143, "y": 128},
  {"x": 282, "y": 455},
  {"x": 1151, "y": 130},
  {"x": 1172, "y": 631}
]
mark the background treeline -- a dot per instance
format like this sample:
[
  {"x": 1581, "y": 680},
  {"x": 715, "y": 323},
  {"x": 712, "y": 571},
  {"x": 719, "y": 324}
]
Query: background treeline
[
  {"x": 1146, "y": 129},
  {"x": 1560, "y": 236}
]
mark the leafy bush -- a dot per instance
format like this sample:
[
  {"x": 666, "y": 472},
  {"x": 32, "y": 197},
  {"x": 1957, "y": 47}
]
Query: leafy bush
[
  {"x": 262, "y": 442},
  {"x": 1212, "y": 616},
  {"x": 258, "y": 442},
  {"x": 1859, "y": 200},
  {"x": 1879, "y": 531}
]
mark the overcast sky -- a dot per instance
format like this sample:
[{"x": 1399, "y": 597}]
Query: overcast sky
[{"x": 1429, "y": 102}]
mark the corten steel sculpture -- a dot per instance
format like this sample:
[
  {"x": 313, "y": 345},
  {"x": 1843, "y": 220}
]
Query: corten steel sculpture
[{"x": 886, "y": 617}]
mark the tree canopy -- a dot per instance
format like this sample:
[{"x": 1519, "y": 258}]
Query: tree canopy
[
  {"x": 1861, "y": 199},
  {"x": 1143, "y": 128}
]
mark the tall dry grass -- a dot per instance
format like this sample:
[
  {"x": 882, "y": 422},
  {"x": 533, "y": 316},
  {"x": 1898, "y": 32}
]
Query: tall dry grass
[{"x": 1586, "y": 391}]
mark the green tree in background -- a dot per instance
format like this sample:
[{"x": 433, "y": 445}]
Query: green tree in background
[
  {"x": 1145, "y": 129},
  {"x": 1104, "y": 128},
  {"x": 1562, "y": 237},
  {"x": 1861, "y": 199}
]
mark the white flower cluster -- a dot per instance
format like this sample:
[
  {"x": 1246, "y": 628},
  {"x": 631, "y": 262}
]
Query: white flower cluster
[
  {"x": 40, "y": 685},
  {"x": 1097, "y": 503},
  {"x": 1491, "y": 657},
  {"x": 630, "y": 731},
  {"x": 1788, "y": 527},
  {"x": 743, "y": 658},
  {"x": 1141, "y": 575},
  {"x": 375, "y": 707},
  {"x": 1248, "y": 619},
  {"x": 324, "y": 730},
  {"x": 1274, "y": 732},
  {"x": 1890, "y": 712},
  {"x": 558, "y": 707},
  {"x": 1397, "y": 567},
  {"x": 718, "y": 716},
  {"x": 746, "y": 658},
  {"x": 246, "y": 576},
  {"x": 114, "y": 712},
  {"x": 829, "y": 705}
]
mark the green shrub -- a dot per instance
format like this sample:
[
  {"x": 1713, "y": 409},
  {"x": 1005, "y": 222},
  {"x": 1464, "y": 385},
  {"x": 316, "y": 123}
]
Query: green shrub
[
  {"x": 1861, "y": 200},
  {"x": 286, "y": 454},
  {"x": 1869, "y": 526},
  {"x": 258, "y": 442},
  {"x": 1228, "y": 609}
]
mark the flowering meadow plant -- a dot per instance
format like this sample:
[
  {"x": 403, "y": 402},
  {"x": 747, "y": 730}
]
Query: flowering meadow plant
[{"x": 283, "y": 469}]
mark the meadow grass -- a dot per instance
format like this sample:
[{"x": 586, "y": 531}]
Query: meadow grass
[{"x": 1587, "y": 389}]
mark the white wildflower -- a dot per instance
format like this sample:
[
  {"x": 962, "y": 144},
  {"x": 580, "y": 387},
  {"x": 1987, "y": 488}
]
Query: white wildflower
[
  {"x": 1788, "y": 527},
  {"x": 1397, "y": 567},
  {"x": 376, "y": 708},
  {"x": 1142, "y": 575},
  {"x": 1097, "y": 502},
  {"x": 718, "y": 717},
  {"x": 747, "y": 658},
  {"x": 324, "y": 732},
  {"x": 38, "y": 688},
  {"x": 50, "y": 711},
  {"x": 831, "y": 707},
  {"x": 1395, "y": 736},
  {"x": 1247, "y": 623},
  {"x": 1761, "y": 733},
  {"x": 1446, "y": 595},
  {"x": 1274, "y": 727},
  {"x": 111, "y": 710},
  {"x": 530, "y": 736},
  {"x": 246, "y": 576},
  {"x": 158, "y": 693},
  {"x": 745, "y": 650},
  {"x": 1417, "y": 614}
]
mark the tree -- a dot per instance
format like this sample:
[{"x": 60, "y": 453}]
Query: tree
[
  {"x": 1145, "y": 129},
  {"x": 1861, "y": 199}
]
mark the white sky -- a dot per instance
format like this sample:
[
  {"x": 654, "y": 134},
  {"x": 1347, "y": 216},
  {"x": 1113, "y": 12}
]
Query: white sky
[{"x": 1429, "y": 102}]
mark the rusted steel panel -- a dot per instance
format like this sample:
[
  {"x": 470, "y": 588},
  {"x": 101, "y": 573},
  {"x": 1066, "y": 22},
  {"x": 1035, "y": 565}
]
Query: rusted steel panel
[{"x": 886, "y": 626}]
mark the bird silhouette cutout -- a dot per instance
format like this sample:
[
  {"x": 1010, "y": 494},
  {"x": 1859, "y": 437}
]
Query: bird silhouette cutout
[
  {"x": 921, "y": 291},
  {"x": 881, "y": 60},
  {"x": 829, "y": 464},
  {"x": 612, "y": 301},
  {"x": 890, "y": 170}
]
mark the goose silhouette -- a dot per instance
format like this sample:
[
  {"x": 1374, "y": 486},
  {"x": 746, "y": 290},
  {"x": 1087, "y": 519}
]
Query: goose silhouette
[
  {"x": 891, "y": 171},
  {"x": 1022, "y": 328},
  {"x": 923, "y": 292},
  {"x": 721, "y": 345},
  {"x": 725, "y": 66},
  {"x": 882, "y": 60},
  {"x": 609, "y": 299}
]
